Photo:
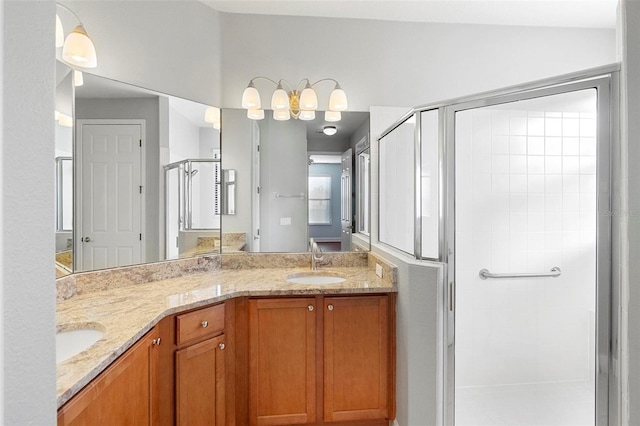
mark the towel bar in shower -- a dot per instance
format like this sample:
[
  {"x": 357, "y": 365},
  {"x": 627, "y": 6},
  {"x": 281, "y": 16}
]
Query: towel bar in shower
[{"x": 555, "y": 273}]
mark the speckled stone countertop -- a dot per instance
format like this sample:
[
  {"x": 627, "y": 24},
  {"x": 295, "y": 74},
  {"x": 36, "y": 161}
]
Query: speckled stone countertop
[{"x": 127, "y": 313}]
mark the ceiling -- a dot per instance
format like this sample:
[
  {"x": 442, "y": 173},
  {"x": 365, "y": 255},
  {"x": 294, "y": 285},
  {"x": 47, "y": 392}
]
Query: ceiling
[{"x": 537, "y": 13}]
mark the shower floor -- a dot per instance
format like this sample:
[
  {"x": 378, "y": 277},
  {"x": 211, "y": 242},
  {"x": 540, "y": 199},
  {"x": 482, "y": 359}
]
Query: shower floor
[{"x": 545, "y": 404}]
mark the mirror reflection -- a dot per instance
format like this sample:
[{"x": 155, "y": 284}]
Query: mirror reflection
[
  {"x": 123, "y": 205},
  {"x": 298, "y": 180}
]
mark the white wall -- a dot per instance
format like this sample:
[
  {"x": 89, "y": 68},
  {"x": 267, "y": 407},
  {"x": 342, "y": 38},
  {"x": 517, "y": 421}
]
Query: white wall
[
  {"x": 172, "y": 47},
  {"x": 393, "y": 63},
  {"x": 27, "y": 292}
]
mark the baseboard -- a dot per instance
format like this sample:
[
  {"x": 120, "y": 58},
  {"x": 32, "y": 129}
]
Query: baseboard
[{"x": 326, "y": 239}]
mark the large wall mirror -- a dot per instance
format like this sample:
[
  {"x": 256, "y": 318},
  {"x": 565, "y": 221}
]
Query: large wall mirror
[
  {"x": 296, "y": 182},
  {"x": 138, "y": 175}
]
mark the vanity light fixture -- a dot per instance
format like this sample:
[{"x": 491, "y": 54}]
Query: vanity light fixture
[
  {"x": 332, "y": 116},
  {"x": 329, "y": 130},
  {"x": 77, "y": 48},
  {"x": 300, "y": 102},
  {"x": 212, "y": 116}
]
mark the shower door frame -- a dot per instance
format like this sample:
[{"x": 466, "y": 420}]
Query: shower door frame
[{"x": 606, "y": 81}]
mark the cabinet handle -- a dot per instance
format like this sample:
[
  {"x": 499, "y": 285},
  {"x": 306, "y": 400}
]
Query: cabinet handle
[
  {"x": 156, "y": 342},
  {"x": 330, "y": 307},
  {"x": 221, "y": 346},
  {"x": 310, "y": 308},
  {"x": 204, "y": 324}
]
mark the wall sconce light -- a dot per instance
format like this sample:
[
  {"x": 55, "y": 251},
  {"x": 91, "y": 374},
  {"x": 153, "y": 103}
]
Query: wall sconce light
[
  {"x": 299, "y": 103},
  {"x": 77, "y": 48}
]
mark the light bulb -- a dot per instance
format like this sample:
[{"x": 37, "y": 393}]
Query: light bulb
[
  {"x": 78, "y": 80},
  {"x": 307, "y": 115},
  {"x": 281, "y": 115},
  {"x": 329, "y": 130},
  {"x": 255, "y": 114},
  {"x": 251, "y": 97},
  {"x": 212, "y": 115},
  {"x": 78, "y": 49},
  {"x": 59, "y": 32},
  {"x": 280, "y": 100},
  {"x": 332, "y": 116},
  {"x": 338, "y": 100},
  {"x": 308, "y": 99}
]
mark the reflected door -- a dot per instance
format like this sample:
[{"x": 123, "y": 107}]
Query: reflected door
[
  {"x": 110, "y": 195},
  {"x": 526, "y": 176},
  {"x": 346, "y": 199}
]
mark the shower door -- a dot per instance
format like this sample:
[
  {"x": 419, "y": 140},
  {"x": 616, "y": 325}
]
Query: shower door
[{"x": 531, "y": 262}]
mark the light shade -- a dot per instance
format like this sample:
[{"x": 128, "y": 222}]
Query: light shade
[
  {"x": 212, "y": 115},
  {"x": 329, "y": 130},
  {"x": 280, "y": 100},
  {"x": 307, "y": 115},
  {"x": 78, "y": 80},
  {"x": 78, "y": 49},
  {"x": 59, "y": 32},
  {"x": 281, "y": 115},
  {"x": 338, "y": 100},
  {"x": 255, "y": 114},
  {"x": 65, "y": 120},
  {"x": 251, "y": 98},
  {"x": 332, "y": 116},
  {"x": 308, "y": 99}
]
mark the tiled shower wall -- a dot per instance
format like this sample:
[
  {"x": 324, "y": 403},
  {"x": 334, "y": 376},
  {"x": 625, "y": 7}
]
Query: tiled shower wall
[{"x": 525, "y": 202}]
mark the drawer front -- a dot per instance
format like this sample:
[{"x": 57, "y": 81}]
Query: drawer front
[{"x": 200, "y": 323}]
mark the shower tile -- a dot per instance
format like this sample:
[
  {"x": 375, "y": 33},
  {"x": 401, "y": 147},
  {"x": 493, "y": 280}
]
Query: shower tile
[
  {"x": 518, "y": 259},
  {"x": 588, "y": 127},
  {"x": 570, "y": 145},
  {"x": 518, "y": 164},
  {"x": 482, "y": 163},
  {"x": 553, "y": 203},
  {"x": 553, "y": 165},
  {"x": 518, "y": 203},
  {"x": 535, "y": 145},
  {"x": 588, "y": 203},
  {"x": 570, "y": 240},
  {"x": 570, "y": 203},
  {"x": 553, "y": 240},
  {"x": 518, "y": 125},
  {"x": 570, "y": 127},
  {"x": 553, "y": 145},
  {"x": 518, "y": 222},
  {"x": 500, "y": 182},
  {"x": 571, "y": 184},
  {"x": 518, "y": 242},
  {"x": 499, "y": 164},
  {"x": 588, "y": 146},
  {"x": 481, "y": 184},
  {"x": 500, "y": 144},
  {"x": 553, "y": 222},
  {"x": 535, "y": 222},
  {"x": 535, "y": 203},
  {"x": 588, "y": 184},
  {"x": 518, "y": 183},
  {"x": 536, "y": 184},
  {"x": 535, "y": 126},
  {"x": 588, "y": 165},
  {"x": 536, "y": 241},
  {"x": 499, "y": 122},
  {"x": 518, "y": 144},
  {"x": 553, "y": 184},
  {"x": 500, "y": 222},
  {"x": 553, "y": 127},
  {"x": 570, "y": 165},
  {"x": 535, "y": 165}
]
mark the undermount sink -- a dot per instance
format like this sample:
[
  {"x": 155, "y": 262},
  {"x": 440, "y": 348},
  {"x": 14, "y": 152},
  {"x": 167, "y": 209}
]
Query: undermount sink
[
  {"x": 314, "y": 278},
  {"x": 71, "y": 340}
]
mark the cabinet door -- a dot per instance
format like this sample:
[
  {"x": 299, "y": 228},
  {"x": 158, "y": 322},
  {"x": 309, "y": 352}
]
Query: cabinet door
[
  {"x": 282, "y": 366},
  {"x": 122, "y": 394},
  {"x": 200, "y": 381},
  {"x": 356, "y": 358}
]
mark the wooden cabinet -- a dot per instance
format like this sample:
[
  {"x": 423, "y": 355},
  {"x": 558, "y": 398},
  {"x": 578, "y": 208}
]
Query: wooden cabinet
[
  {"x": 282, "y": 361},
  {"x": 356, "y": 358},
  {"x": 200, "y": 383},
  {"x": 122, "y": 394},
  {"x": 321, "y": 360}
]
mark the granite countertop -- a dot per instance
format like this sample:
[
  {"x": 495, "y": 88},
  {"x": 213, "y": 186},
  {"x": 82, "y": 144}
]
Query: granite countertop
[{"x": 126, "y": 314}]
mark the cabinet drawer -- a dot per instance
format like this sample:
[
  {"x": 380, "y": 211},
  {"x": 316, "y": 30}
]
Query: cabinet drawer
[{"x": 200, "y": 323}]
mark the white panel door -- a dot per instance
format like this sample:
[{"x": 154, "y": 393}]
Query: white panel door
[{"x": 111, "y": 196}]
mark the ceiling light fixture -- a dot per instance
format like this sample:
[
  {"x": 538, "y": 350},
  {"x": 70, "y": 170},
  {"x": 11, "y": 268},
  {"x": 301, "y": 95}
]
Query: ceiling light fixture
[
  {"x": 329, "y": 130},
  {"x": 300, "y": 102},
  {"x": 77, "y": 48}
]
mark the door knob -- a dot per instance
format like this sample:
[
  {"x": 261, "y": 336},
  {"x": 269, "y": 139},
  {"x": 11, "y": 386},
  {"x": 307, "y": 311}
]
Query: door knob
[{"x": 85, "y": 240}]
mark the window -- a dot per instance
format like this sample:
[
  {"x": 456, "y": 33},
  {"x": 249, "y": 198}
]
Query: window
[{"x": 319, "y": 200}]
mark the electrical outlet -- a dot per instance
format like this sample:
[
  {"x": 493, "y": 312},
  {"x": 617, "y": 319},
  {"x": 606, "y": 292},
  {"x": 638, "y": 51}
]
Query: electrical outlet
[{"x": 379, "y": 270}]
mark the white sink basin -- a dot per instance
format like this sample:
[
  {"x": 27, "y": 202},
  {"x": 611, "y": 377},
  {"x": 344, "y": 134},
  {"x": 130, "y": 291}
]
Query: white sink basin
[
  {"x": 315, "y": 278},
  {"x": 73, "y": 341}
]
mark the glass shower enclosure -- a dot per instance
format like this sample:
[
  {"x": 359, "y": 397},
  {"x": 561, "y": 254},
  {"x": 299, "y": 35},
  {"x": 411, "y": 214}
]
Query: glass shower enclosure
[{"x": 193, "y": 207}]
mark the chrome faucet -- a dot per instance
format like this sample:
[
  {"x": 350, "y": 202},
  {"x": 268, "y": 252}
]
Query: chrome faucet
[{"x": 315, "y": 258}]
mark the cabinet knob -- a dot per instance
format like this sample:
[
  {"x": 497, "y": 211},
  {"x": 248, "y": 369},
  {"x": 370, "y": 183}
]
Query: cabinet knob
[
  {"x": 204, "y": 324},
  {"x": 221, "y": 346},
  {"x": 330, "y": 307},
  {"x": 156, "y": 342},
  {"x": 310, "y": 308}
]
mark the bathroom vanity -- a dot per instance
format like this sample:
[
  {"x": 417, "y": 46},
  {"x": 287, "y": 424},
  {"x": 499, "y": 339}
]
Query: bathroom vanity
[{"x": 236, "y": 347}]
